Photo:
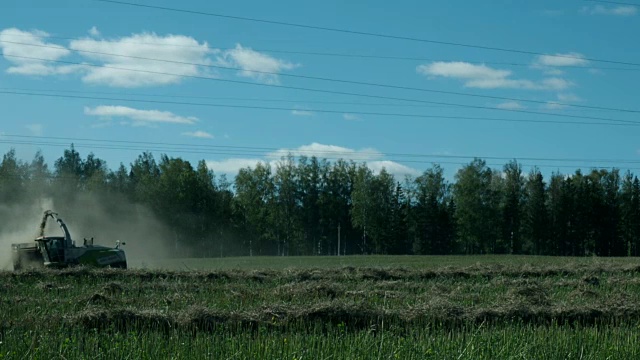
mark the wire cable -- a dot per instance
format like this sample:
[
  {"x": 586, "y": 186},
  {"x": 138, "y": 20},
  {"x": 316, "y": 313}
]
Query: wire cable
[
  {"x": 333, "y": 54},
  {"x": 267, "y": 157},
  {"x": 327, "y": 91},
  {"x": 311, "y": 152},
  {"x": 613, "y": 2},
  {"x": 362, "y": 33},
  {"x": 352, "y": 82},
  {"x": 244, "y": 99},
  {"x": 621, "y": 122}
]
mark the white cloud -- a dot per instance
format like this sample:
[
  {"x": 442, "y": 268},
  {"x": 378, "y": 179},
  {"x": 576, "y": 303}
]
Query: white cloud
[
  {"x": 562, "y": 98},
  {"x": 553, "y": 106},
  {"x": 174, "y": 48},
  {"x": 392, "y": 167},
  {"x": 350, "y": 117},
  {"x": 510, "y": 105},
  {"x": 302, "y": 113},
  {"x": 198, "y": 134},
  {"x": 19, "y": 54},
  {"x": 328, "y": 151},
  {"x": 373, "y": 158},
  {"x": 558, "y": 60},
  {"x": 94, "y": 32},
  {"x": 139, "y": 117},
  {"x": 556, "y": 84},
  {"x": 485, "y": 77},
  {"x": 622, "y": 10},
  {"x": 569, "y": 97},
  {"x": 233, "y": 165},
  {"x": 545, "y": 84},
  {"x": 252, "y": 62},
  {"x": 137, "y": 60},
  {"x": 35, "y": 129},
  {"x": 462, "y": 70}
]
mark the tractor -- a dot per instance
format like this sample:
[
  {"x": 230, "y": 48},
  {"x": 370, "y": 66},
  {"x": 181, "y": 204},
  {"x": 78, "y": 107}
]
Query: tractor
[{"x": 61, "y": 251}]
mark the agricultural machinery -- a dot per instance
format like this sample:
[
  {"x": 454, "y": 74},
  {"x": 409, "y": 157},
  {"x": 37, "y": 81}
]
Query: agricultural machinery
[{"x": 61, "y": 251}]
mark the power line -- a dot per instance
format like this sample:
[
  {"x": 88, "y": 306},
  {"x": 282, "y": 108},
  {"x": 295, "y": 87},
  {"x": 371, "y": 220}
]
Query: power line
[
  {"x": 352, "y": 82},
  {"x": 337, "y": 54},
  {"x": 326, "y": 91},
  {"x": 230, "y": 98},
  {"x": 168, "y": 95},
  {"x": 622, "y": 122},
  {"x": 311, "y": 152},
  {"x": 362, "y": 33},
  {"x": 245, "y": 99},
  {"x": 266, "y": 157},
  {"x": 613, "y": 2}
]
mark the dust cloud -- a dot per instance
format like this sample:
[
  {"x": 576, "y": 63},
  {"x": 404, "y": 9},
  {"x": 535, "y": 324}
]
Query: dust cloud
[
  {"x": 19, "y": 224},
  {"x": 148, "y": 241}
]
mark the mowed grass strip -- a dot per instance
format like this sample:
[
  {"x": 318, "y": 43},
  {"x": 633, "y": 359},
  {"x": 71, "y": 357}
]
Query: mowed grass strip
[
  {"x": 477, "y": 342},
  {"x": 467, "y": 309},
  {"x": 583, "y": 292}
]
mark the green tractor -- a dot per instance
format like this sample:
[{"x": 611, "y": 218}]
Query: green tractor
[{"x": 61, "y": 251}]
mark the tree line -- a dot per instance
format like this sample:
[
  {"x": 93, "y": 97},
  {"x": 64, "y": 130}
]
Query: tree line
[{"x": 312, "y": 206}]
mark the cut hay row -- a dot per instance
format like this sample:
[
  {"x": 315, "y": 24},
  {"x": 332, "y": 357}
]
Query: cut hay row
[
  {"x": 357, "y": 297},
  {"x": 340, "y": 273},
  {"x": 477, "y": 311},
  {"x": 352, "y": 316}
]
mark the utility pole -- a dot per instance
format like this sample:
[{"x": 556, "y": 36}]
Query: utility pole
[
  {"x": 338, "y": 239},
  {"x": 364, "y": 240},
  {"x": 344, "y": 247}
]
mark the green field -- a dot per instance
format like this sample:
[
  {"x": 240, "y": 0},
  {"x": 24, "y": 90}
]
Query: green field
[
  {"x": 405, "y": 261},
  {"x": 364, "y": 307}
]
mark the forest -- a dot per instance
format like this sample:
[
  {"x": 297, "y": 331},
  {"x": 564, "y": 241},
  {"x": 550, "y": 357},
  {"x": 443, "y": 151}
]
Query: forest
[{"x": 312, "y": 206}]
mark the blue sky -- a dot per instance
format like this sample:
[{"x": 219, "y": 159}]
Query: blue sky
[{"x": 580, "y": 29}]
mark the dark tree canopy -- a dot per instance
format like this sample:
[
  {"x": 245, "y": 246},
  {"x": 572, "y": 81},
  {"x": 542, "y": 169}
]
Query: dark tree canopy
[{"x": 302, "y": 206}]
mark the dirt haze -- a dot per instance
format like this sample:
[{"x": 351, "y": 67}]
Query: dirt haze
[
  {"x": 106, "y": 220},
  {"x": 19, "y": 224}
]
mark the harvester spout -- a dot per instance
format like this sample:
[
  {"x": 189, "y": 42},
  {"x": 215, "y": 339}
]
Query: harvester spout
[
  {"x": 43, "y": 224},
  {"x": 67, "y": 237}
]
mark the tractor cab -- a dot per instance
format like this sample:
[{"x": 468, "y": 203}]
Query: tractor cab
[{"x": 53, "y": 250}]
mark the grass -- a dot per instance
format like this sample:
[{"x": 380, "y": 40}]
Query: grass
[
  {"x": 407, "y": 261},
  {"x": 496, "y": 343},
  {"x": 328, "y": 308}
]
